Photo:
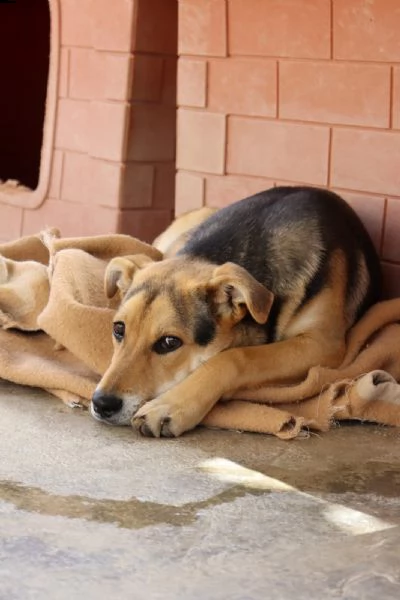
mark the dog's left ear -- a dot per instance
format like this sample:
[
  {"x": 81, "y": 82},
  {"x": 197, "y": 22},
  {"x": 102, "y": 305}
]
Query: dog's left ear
[
  {"x": 234, "y": 292},
  {"x": 120, "y": 272}
]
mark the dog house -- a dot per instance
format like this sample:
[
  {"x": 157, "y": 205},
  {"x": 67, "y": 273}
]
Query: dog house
[
  {"x": 88, "y": 116},
  {"x": 269, "y": 92}
]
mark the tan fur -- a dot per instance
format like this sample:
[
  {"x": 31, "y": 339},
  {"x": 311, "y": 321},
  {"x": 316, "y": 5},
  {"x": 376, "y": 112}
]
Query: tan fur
[
  {"x": 311, "y": 343},
  {"x": 175, "y": 391},
  {"x": 359, "y": 286},
  {"x": 134, "y": 365},
  {"x": 174, "y": 237},
  {"x": 120, "y": 271},
  {"x": 24, "y": 292}
]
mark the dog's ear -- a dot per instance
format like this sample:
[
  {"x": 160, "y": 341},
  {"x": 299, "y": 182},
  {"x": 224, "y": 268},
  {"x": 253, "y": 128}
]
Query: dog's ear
[
  {"x": 120, "y": 272},
  {"x": 234, "y": 292}
]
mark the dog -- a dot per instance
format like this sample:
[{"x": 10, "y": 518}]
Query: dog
[
  {"x": 177, "y": 234},
  {"x": 260, "y": 292}
]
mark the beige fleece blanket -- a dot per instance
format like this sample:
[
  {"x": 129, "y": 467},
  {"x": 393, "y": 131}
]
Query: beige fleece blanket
[{"x": 55, "y": 334}]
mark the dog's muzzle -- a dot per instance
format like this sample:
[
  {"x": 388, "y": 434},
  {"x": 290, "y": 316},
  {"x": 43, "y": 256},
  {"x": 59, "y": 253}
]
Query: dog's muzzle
[{"x": 105, "y": 405}]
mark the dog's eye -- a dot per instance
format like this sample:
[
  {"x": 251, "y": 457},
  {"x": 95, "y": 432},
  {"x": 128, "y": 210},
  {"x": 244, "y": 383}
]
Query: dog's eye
[
  {"x": 119, "y": 330},
  {"x": 167, "y": 343}
]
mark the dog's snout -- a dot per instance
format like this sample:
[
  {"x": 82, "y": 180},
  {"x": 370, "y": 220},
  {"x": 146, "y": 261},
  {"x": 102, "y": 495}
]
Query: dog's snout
[{"x": 106, "y": 405}]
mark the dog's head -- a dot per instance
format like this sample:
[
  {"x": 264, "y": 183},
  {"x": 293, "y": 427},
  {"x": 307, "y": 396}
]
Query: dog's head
[{"x": 174, "y": 315}]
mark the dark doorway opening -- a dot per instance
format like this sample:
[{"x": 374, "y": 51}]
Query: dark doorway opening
[{"x": 24, "y": 69}]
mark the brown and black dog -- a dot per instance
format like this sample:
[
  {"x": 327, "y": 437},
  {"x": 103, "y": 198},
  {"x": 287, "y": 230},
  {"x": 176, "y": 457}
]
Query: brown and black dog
[{"x": 260, "y": 292}]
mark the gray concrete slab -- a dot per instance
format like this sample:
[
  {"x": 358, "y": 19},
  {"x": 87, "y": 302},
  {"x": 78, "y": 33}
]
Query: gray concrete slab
[{"x": 90, "y": 511}]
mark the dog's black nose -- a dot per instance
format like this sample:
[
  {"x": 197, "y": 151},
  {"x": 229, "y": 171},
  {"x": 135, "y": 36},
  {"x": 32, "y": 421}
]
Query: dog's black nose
[{"x": 106, "y": 405}]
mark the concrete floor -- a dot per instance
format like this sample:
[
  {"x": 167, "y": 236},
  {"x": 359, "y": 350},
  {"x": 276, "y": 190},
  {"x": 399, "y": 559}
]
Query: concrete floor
[{"x": 95, "y": 512}]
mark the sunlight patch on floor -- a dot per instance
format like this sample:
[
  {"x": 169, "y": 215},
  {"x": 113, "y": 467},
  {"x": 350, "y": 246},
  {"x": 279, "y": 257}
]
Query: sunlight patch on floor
[{"x": 349, "y": 520}]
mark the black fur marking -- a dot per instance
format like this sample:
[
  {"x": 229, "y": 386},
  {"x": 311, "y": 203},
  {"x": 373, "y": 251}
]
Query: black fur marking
[
  {"x": 140, "y": 288},
  {"x": 249, "y": 233},
  {"x": 178, "y": 304},
  {"x": 315, "y": 285},
  {"x": 204, "y": 330},
  {"x": 272, "y": 321}
]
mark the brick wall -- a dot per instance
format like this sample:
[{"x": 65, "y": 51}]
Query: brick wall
[
  {"x": 149, "y": 182},
  {"x": 293, "y": 91},
  {"x": 114, "y": 150}
]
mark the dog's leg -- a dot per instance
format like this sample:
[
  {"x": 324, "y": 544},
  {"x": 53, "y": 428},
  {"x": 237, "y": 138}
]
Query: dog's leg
[{"x": 185, "y": 405}]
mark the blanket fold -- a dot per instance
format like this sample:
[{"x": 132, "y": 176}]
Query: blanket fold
[{"x": 55, "y": 334}]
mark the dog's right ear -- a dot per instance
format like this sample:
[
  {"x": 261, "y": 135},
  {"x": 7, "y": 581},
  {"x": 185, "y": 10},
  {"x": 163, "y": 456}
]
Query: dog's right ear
[{"x": 120, "y": 273}]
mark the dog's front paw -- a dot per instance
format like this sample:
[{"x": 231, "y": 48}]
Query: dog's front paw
[{"x": 159, "y": 419}]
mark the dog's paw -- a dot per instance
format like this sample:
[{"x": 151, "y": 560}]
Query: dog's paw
[{"x": 158, "y": 420}]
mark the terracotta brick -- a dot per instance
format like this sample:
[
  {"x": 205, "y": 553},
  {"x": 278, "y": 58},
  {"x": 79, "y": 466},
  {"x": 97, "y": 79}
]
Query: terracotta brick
[
  {"x": 147, "y": 78},
  {"x": 112, "y": 26},
  {"x": 113, "y": 76},
  {"x": 76, "y": 22},
  {"x": 221, "y": 191},
  {"x": 243, "y": 86},
  {"x": 192, "y": 81},
  {"x": 391, "y": 236},
  {"x": 83, "y": 85},
  {"x": 72, "y": 125},
  {"x": 349, "y": 94},
  {"x": 396, "y": 98},
  {"x": 189, "y": 193},
  {"x": 365, "y": 30},
  {"x": 98, "y": 75},
  {"x": 56, "y": 174},
  {"x": 297, "y": 29},
  {"x": 100, "y": 220},
  {"x": 105, "y": 183},
  {"x": 164, "y": 186},
  {"x": 366, "y": 160},
  {"x": 107, "y": 128},
  {"x": 370, "y": 209},
  {"x": 67, "y": 216},
  {"x": 144, "y": 224},
  {"x": 168, "y": 95},
  {"x": 201, "y": 141},
  {"x": 391, "y": 280},
  {"x": 274, "y": 149},
  {"x": 151, "y": 133},
  {"x": 76, "y": 177},
  {"x": 202, "y": 27},
  {"x": 157, "y": 26},
  {"x": 73, "y": 219},
  {"x": 91, "y": 181},
  {"x": 10, "y": 222},
  {"x": 138, "y": 186},
  {"x": 63, "y": 74}
]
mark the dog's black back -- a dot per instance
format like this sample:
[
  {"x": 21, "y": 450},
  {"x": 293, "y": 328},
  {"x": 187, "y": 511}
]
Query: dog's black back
[{"x": 289, "y": 234}]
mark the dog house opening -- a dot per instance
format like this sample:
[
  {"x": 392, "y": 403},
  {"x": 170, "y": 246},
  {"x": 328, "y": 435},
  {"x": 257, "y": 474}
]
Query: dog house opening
[{"x": 25, "y": 51}]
